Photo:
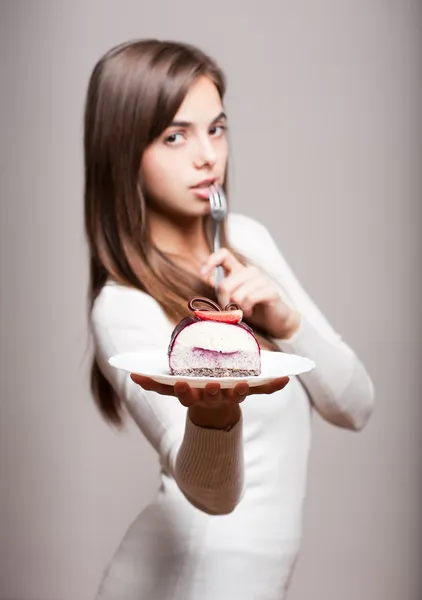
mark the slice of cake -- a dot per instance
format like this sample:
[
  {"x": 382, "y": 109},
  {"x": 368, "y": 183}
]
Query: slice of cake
[{"x": 214, "y": 343}]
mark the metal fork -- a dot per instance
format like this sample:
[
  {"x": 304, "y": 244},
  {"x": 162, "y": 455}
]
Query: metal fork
[{"x": 218, "y": 206}]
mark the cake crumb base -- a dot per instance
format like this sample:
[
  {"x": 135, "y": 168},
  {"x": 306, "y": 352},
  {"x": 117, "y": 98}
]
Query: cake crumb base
[{"x": 215, "y": 372}]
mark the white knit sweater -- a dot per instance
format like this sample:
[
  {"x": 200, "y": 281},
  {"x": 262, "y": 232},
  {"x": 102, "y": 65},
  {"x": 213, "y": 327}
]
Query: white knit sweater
[{"x": 226, "y": 522}]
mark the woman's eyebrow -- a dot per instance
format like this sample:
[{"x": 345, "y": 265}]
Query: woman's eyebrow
[{"x": 219, "y": 117}]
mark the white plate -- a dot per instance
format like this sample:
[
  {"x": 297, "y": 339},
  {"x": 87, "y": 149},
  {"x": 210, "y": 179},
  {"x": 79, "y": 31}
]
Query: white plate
[{"x": 153, "y": 363}]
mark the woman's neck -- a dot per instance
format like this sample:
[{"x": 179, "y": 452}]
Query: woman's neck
[{"x": 184, "y": 241}]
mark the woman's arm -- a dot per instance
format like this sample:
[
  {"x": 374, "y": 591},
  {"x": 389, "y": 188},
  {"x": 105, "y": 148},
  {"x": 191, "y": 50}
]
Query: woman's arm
[
  {"x": 340, "y": 387},
  {"x": 206, "y": 463}
]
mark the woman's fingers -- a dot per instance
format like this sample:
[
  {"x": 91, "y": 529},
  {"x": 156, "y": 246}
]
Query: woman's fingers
[
  {"x": 238, "y": 393},
  {"x": 232, "y": 282},
  {"x": 236, "y": 280},
  {"x": 185, "y": 394},
  {"x": 212, "y": 395},
  {"x": 249, "y": 297},
  {"x": 246, "y": 286},
  {"x": 270, "y": 387},
  {"x": 223, "y": 258},
  {"x": 248, "y": 294},
  {"x": 152, "y": 386}
]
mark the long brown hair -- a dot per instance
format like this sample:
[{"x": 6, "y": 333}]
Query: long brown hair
[{"x": 134, "y": 92}]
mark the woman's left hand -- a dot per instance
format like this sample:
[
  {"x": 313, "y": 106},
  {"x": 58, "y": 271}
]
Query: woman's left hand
[{"x": 254, "y": 292}]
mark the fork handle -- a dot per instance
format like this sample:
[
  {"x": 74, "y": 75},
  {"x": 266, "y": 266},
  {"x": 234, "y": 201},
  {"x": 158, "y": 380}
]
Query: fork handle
[
  {"x": 216, "y": 236},
  {"x": 219, "y": 275}
]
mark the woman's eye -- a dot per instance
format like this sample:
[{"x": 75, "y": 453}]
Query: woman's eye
[
  {"x": 174, "y": 138},
  {"x": 217, "y": 130}
]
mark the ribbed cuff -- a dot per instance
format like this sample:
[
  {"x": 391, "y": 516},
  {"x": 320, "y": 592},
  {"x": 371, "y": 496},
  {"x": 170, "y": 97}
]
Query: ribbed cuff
[{"x": 211, "y": 458}]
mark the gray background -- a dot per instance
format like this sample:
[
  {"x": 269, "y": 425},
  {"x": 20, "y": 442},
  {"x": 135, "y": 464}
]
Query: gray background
[{"x": 324, "y": 102}]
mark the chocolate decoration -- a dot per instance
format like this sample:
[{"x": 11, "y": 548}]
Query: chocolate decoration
[
  {"x": 210, "y": 304},
  {"x": 232, "y": 306}
]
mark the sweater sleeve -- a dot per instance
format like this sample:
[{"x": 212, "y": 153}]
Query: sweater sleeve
[
  {"x": 339, "y": 387},
  {"x": 206, "y": 464}
]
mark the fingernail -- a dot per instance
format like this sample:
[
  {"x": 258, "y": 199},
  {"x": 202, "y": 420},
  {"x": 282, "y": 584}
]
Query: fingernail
[
  {"x": 242, "y": 390},
  {"x": 213, "y": 392},
  {"x": 182, "y": 388},
  {"x": 203, "y": 269}
]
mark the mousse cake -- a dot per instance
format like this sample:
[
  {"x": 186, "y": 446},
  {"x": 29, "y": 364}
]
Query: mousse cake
[{"x": 213, "y": 342}]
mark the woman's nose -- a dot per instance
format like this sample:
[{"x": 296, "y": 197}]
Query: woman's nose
[{"x": 205, "y": 154}]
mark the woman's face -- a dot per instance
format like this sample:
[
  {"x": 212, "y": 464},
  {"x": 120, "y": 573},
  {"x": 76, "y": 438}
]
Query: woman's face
[{"x": 178, "y": 167}]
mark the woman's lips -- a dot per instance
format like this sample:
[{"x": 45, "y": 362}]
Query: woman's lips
[{"x": 202, "y": 192}]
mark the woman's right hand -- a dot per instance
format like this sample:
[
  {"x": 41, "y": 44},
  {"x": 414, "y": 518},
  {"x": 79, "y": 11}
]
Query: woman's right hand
[{"x": 211, "y": 406}]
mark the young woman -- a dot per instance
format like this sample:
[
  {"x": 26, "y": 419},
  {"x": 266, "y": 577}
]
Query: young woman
[{"x": 226, "y": 522}]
